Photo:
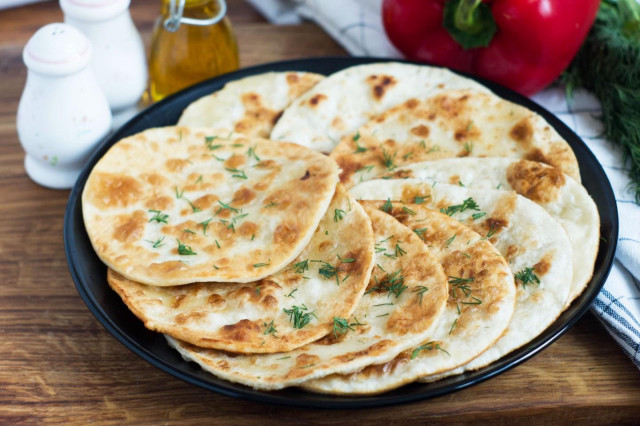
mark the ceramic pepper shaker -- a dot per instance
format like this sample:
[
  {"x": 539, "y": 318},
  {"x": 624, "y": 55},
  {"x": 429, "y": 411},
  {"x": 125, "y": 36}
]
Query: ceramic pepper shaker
[
  {"x": 119, "y": 61},
  {"x": 62, "y": 113}
]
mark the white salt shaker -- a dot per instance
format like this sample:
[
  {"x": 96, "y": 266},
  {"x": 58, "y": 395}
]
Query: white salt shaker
[
  {"x": 62, "y": 113},
  {"x": 119, "y": 60}
]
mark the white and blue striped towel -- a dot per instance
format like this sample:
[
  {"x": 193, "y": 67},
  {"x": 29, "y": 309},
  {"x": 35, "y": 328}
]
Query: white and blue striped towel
[{"x": 357, "y": 25}]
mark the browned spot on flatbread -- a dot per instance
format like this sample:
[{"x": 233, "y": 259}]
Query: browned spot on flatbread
[
  {"x": 306, "y": 360},
  {"x": 544, "y": 265},
  {"x": 159, "y": 202},
  {"x": 170, "y": 267},
  {"x": 420, "y": 131},
  {"x": 257, "y": 119},
  {"x": 205, "y": 202},
  {"x": 154, "y": 179},
  {"x": 247, "y": 229},
  {"x": 454, "y": 179},
  {"x": 113, "y": 190},
  {"x": 130, "y": 227},
  {"x": 373, "y": 350},
  {"x": 177, "y": 301},
  {"x": 378, "y": 370},
  {"x": 522, "y": 131},
  {"x": 235, "y": 161},
  {"x": 286, "y": 233},
  {"x": 499, "y": 217},
  {"x": 242, "y": 331},
  {"x": 410, "y": 192},
  {"x": 186, "y": 317},
  {"x": 380, "y": 84},
  {"x": 535, "y": 181},
  {"x": 411, "y": 103},
  {"x": 315, "y": 100},
  {"x": 243, "y": 196},
  {"x": 176, "y": 164},
  {"x": 216, "y": 302}
]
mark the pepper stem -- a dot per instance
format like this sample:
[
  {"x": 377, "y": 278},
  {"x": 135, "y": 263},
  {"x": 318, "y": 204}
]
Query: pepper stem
[
  {"x": 465, "y": 18},
  {"x": 469, "y": 22}
]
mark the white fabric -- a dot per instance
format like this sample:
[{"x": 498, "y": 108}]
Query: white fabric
[{"x": 357, "y": 25}]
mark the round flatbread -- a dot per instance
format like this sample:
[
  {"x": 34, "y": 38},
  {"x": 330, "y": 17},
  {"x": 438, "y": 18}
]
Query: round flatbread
[
  {"x": 405, "y": 296},
  {"x": 176, "y": 205},
  {"x": 251, "y": 105},
  {"x": 455, "y": 123},
  {"x": 480, "y": 304},
  {"x": 561, "y": 196},
  {"x": 533, "y": 243},
  {"x": 279, "y": 313},
  {"x": 347, "y": 99}
]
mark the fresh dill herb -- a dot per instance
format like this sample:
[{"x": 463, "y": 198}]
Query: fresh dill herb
[
  {"x": 271, "y": 204},
  {"x": 467, "y": 255},
  {"x": 420, "y": 199},
  {"x": 194, "y": 208},
  {"x": 499, "y": 185},
  {"x": 399, "y": 252},
  {"x": 387, "y": 206},
  {"x": 251, "y": 152},
  {"x": 468, "y": 204},
  {"x": 450, "y": 240},
  {"x": 492, "y": 230},
  {"x": 199, "y": 179},
  {"x": 270, "y": 329},
  {"x": 394, "y": 283},
  {"x": 526, "y": 276},
  {"x": 428, "y": 346},
  {"x": 434, "y": 148},
  {"x": 258, "y": 290},
  {"x": 284, "y": 357},
  {"x": 217, "y": 243},
  {"x": 383, "y": 315},
  {"x": 346, "y": 259},
  {"x": 338, "y": 214},
  {"x": 384, "y": 304},
  {"x": 158, "y": 216},
  {"x": 407, "y": 156},
  {"x": 208, "y": 141},
  {"x": 291, "y": 294},
  {"x": 188, "y": 231},
  {"x": 227, "y": 207},
  {"x": 359, "y": 148},
  {"x": 215, "y": 267},
  {"x": 455, "y": 322},
  {"x": 340, "y": 326},
  {"x": 218, "y": 158},
  {"x": 462, "y": 284},
  {"x": 179, "y": 193},
  {"x": 185, "y": 250},
  {"x": 157, "y": 243},
  {"x": 460, "y": 183},
  {"x": 239, "y": 174},
  {"x": 420, "y": 232},
  {"x": 389, "y": 160},
  {"x": 301, "y": 266},
  {"x": 476, "y": 301},
  {"x": 420, "y": 290},
  {"x": 205, "y": 225},
  {"x": 229, "y": 224},
  {"x": 260, "y": 265},
  {"x": 477, "y": 216},
  {"x": 468, "y": 146},
  {"x": 327, "y": 270},
  {"x": 298, "y": 316},
  {"x": 408, "y": 210},
  {"x": 423, "y": 145}
]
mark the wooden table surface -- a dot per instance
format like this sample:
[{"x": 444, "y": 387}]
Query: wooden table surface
[{"x": 58, "y": 364}]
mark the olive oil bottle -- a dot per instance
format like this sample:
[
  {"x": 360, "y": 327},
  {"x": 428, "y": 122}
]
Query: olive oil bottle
[{"x": 191, "y": 42}]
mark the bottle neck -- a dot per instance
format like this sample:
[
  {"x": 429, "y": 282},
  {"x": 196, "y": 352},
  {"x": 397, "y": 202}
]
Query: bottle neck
[{"x": 199, "y": 9}]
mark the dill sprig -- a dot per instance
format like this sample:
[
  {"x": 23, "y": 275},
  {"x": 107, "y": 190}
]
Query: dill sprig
[
  {"x": 526, "y": 276},
  {"x": 185, "y": 250},
  {"x": 338, "y": 214},
  {"x": 388, "y": 159},
  {"x": 420, "y": 290},
  {"x": 158, "y": 216},
  {"x": 608, "y": 64},
  {"x": 359, "y": 148},
  {"x": 387, "y": 206},
  {"x": 341, "y": 326},
  {"x": 427, "y": 346},
  {"x": 270, "y": 328},
  {"x": 298, "y": 316},
  {"x": 468, "y": 204}
]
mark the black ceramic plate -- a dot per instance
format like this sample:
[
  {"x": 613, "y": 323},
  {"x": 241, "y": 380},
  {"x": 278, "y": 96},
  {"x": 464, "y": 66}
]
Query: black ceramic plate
[{"x": 89, "y": 273}]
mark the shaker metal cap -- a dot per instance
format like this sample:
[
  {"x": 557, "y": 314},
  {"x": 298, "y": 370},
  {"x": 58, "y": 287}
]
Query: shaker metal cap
[{"x": 57, "y": 49}]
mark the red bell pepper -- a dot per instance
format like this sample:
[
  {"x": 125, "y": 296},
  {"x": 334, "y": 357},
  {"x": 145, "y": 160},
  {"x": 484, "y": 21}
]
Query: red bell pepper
[{"x": 522, "y": 44}]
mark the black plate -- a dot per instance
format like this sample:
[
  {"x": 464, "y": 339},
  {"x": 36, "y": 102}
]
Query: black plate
[{"x": 89, "y": 273}]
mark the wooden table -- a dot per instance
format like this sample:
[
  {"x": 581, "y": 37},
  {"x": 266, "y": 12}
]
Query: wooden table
[{"x": 58, "y": 364}]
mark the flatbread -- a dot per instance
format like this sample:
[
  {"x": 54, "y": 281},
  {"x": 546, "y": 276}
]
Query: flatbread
[
  {"x": 347, "y": 99},
  {"x": 280, "y": 313},
  {"x": 251, "y": 105},
  {"x": 177, "y": 205},
  {"x": 405, "y": 297},
  {"x": 480, "y": 304},
  {"x": 455, "y": 123},
  {"x": 522, "y": 231},
  {"x": 561, "y": 196}
]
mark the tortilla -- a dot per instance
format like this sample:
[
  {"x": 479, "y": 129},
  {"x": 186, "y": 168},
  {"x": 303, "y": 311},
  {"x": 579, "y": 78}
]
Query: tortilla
[
  {"x": 251, "y": 105},
  {"x": 347, "y": 99},
  {"x": 480, "y": 304},
  {"x": 404, "y": 299},
  {"x": 561, "y": 196},
  {"x": 176, "y": 205},
  {"x": 279, "y": 313},
  {"x": 455, "y": 123}
]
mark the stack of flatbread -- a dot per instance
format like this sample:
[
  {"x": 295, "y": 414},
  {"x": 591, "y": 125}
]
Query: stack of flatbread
[{"x": 347, "y": 234}]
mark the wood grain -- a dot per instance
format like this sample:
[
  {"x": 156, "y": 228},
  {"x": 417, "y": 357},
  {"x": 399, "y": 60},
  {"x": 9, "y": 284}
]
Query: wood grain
[{"x": 57, "y": 364}]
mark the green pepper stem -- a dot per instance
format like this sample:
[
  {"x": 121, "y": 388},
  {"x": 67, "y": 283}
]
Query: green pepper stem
[{"x": 465, "y": 18}]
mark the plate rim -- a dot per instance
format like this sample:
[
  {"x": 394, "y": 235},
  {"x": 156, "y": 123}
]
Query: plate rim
[{"x": 404, "y": 394}]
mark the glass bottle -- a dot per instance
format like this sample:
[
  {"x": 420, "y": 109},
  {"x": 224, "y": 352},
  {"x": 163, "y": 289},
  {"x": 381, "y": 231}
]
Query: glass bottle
[{"x": 191, "y": 42}]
